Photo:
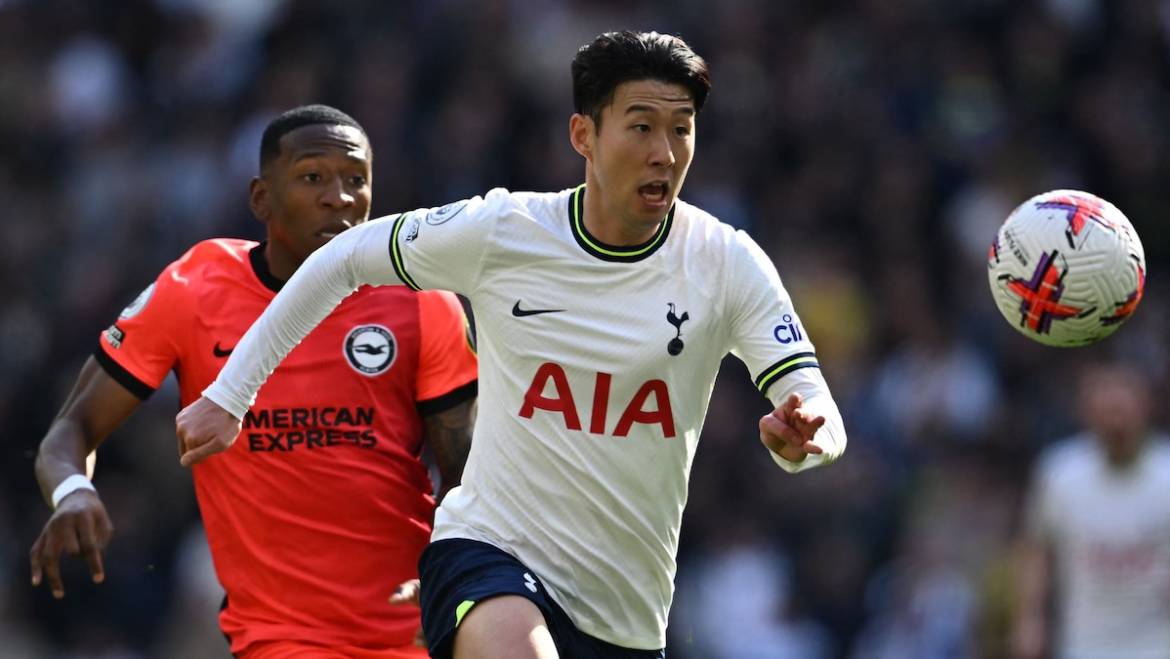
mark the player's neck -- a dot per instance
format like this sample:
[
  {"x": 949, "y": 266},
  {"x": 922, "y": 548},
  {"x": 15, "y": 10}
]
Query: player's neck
[
  {"x": 281, "y": 264},
  {"x": 1123, "y": 455},
  {"x": 609, "y": 227}
]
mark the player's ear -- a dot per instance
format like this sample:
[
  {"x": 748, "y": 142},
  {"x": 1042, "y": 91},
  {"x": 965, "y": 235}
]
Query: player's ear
[
  {"x": 258, "y": 199},
  {"x": 581, "y": 135}
]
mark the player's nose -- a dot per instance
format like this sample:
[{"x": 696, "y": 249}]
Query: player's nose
[
  {"x": 661, "y": 154},
  {"x": 335, "y": 195}
]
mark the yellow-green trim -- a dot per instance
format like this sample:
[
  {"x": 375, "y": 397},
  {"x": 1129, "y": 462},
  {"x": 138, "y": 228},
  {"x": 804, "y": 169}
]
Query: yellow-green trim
[
  {"x": 462, "y": 610},
  {"x": 608, "y": 252},
  {"x": 784, "y": 367},
  {"x": 396, "y": 253}
]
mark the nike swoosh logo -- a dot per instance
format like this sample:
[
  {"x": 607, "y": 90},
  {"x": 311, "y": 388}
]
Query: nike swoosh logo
[
  {"x": 221, "y": 352},
  {"x": 520, "y": 313}
]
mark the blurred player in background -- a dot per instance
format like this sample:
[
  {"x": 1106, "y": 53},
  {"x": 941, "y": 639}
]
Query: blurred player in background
[
  {"x": 603, "y": 312},
  {"x": 1096, "y": 537},
  {"x": 322, "y": 508}
]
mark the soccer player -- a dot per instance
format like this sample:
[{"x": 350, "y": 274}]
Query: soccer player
[
  {"x": 1096, "y": 535},
  {"x": 604, "y": 312},
  {"x": 322, "y": 508}
]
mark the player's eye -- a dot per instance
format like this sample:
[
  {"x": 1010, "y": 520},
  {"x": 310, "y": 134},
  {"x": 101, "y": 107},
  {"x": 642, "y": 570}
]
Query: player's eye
[
  {"x": 311, "y": 177},
  {"x": 682, "y": 131},
  {"x": 641, "y": 128},
  {"x": 357, "y": 181}
]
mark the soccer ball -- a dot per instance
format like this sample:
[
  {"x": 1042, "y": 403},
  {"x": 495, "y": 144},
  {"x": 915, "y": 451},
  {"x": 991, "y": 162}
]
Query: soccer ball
[{"x": 1066, "y": 268}]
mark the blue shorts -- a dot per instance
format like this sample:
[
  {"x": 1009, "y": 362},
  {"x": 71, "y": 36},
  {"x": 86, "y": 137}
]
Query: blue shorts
[{"x": 458, "y": 573}]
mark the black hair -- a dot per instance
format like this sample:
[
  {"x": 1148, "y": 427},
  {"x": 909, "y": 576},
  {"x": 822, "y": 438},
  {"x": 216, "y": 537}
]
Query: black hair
[
  {"x": 305, "y": 115},
  {"x": 616, "y": 57}
]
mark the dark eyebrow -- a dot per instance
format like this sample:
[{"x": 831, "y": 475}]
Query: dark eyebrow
[
  {"x": 687, "y": 110},
  {"x": 318, "y": 153}
]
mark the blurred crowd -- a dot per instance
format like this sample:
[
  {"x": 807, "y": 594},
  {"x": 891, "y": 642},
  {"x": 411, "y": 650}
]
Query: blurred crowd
[{"x": 871, "y": 147}]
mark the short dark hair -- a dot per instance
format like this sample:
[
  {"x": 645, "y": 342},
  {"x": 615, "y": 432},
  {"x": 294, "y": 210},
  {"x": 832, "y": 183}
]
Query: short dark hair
[
  {"x": 616, "y": 57},
  {"x": 305, "y": 115}
]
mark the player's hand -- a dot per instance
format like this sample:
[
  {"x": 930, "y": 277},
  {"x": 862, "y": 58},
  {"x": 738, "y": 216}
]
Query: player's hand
[
  {"x": 789, "y": 430},
  {"x": 204, "y": 429},
  {"x": 407, "y": 593},
  {"x": 79, "y": 526}
]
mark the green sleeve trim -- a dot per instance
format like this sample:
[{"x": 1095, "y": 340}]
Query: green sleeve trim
[
  {"x": 783, "y": 367},
  {"x": 396, "y": 253}
]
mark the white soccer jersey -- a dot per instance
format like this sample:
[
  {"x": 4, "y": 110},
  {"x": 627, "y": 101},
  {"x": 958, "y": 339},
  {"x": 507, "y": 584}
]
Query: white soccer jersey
[
  {"x": 596, "y": 368},
  {"x": 1110, "y": 531}
]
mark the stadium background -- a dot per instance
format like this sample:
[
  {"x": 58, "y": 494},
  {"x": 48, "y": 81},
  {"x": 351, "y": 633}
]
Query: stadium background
[{"x": 871, "y": 147}]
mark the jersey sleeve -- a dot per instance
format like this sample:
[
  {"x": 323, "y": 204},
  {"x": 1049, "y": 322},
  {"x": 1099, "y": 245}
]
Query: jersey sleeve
[
  {"x": 432, "y": 248},
  {"x": 445, "y": 247},
  {"x": 142, "y": 345},
  {"x": 447, "y": 369},
  {"x": 766, "y": 333}
]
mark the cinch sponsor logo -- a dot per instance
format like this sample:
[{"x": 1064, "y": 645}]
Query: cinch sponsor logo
[
  {"x": 310, "y": 427},
  {"x": 788, "y": 330}
]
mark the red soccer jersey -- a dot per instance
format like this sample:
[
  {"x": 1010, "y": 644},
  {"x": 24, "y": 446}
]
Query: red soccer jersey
[{"x": 322, "y": 506}]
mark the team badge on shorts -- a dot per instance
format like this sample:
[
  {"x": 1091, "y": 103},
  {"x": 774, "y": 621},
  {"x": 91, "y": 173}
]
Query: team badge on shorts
[{"x": 370, "y": 349}]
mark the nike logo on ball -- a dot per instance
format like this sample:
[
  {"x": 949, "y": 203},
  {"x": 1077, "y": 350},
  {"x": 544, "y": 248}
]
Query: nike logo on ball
[{"x": 520, "y": 313}]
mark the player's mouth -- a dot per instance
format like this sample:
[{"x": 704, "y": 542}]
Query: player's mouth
[
  {"x": 333, "y": 228},
  {"x": 655, "y": 194}
]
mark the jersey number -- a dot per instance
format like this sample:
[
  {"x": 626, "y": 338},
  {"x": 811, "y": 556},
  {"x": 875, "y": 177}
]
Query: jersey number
[{"x": 562, "y": 402}]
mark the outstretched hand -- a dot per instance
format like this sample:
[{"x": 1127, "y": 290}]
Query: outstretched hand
[
  {"x": 789, "y": 430},
  {"x": 407, "y": 594},
  {"x": 204, "y": 429}
]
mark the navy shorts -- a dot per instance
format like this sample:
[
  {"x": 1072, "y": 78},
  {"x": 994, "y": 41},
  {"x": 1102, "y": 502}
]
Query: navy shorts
[{"x": 457, "y": 573}]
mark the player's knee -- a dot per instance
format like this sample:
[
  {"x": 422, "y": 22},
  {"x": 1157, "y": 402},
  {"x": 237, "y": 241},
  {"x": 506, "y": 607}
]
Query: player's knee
[{"x": 506, "y": 627}]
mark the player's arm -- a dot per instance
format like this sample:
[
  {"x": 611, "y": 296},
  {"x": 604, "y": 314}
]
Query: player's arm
[
  {"x": 358, "y": 256},
  {"x": 418, "y": 249},
  {"x": 447, "y": 384},
  {"x": 1032, "y": 573},
  {"x": 1033, "y": 566},
  {"x": 448, "y": 433},
  {"x": 804, "y": 429},
  {"x": 80, "y": 524}
]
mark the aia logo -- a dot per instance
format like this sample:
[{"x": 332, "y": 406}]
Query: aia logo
[{"x": 563, "y": 402}]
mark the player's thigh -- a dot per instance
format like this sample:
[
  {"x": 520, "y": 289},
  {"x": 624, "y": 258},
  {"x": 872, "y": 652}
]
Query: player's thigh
[
  {"x": 505, "y": 627},
  {"x": 458, "y": 577}
]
